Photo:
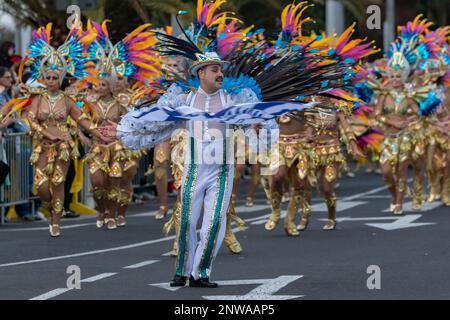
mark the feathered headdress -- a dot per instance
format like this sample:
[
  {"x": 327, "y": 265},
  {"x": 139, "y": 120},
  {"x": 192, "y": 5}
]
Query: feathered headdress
[
  {"x": 350, "y": 51},
  {"x": 69, "y": 58},
  {"x": 200, "y": 42},
  {"x": 401, "y": 58},
  {"x": 132, "y": 57},
  {"x": 413, "y": 29}
]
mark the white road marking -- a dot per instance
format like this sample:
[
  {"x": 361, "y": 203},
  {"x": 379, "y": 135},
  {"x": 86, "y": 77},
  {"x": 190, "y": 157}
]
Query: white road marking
[
  {"x": 400, "y": 222},
  {"x": 378, "y": 197},
  {"x": 51, "y": 294},
  {"x": 166, "y": 285},
  {"x": 407, "y": 206},
  {"x": 348, "y": 199},
  {"x": 87, "y": 253},
  {"x": 167, "y": 254},
  {"x": 266, "y": 291},
  {"x": 141, "y": 264},
  {"x": 71, "y": 226},
  {"x": 60, "y": 291},
  {"x": 403, "y": 222},
  {"x": 99, "y": 277}
]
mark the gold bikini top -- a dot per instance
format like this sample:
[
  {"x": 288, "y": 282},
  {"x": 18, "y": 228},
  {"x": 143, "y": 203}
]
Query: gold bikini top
[{"x": 54, "y": 116}]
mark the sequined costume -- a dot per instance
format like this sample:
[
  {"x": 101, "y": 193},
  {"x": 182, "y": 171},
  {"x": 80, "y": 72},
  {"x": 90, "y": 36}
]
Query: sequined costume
[
  {"x": 291, "y": 159},
  {"x": 179, "y": 144},
  {"x": 108, "y": 163},
  {"x": 400, "y": 146},
  {"x": 403, "y": 108},
  {"x": 112, "y": 166},
  {"x": 50, "y": 112},
  {"x": 324, "y": 123}
]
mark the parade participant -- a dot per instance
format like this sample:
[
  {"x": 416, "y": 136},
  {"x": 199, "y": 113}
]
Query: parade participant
[
  {"x": 437, "y": 140},
  {"x": 105, "y": 161},
  {"x": 292, "y": 159},
  {"x": 432, "y": 50},
  {"x": 48, "y": 111},
  {"x": 204, "y": 185},
  {"x": 162, "y": 151},
  {"x": 323, "y": 124},
  {"x": 112, "y": 166},
  {"x": 395, "y": 112},
  {"x": 412, "y": 33}
]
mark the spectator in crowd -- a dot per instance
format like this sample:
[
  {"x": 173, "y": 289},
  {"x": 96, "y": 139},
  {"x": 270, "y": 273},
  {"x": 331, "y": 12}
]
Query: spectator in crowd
[
  {"x": 14, "y": 125},
  {"x": 7, "y": 49},
  {"x": 6, "y": 82}
]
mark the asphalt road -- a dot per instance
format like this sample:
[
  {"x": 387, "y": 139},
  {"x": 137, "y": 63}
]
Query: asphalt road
[{"x": 398, "y": 258}]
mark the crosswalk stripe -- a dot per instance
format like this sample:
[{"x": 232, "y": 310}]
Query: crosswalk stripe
[{"x": 141, "y": 264}]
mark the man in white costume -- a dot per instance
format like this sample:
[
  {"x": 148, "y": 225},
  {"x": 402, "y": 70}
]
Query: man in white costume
[{"x": 209, "y": 165}]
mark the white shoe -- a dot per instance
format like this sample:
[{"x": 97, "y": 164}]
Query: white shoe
[{"x": 398, "y": 211}]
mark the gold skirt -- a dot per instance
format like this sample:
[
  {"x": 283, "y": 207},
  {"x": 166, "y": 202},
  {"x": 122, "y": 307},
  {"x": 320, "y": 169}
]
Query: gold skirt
[
  {"x": 330, "y": 158},
  {"x": 396, "y": 149},
  {"x": 419, "y": 141},
  {"x": 113, "y": 159},
  {"x": 290, "y": 150},
  {"x": 60, "y": 151},
  {"x": 442, "y": 145}
]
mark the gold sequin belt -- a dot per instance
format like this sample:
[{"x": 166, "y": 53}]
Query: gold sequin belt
[
  {"x": 326, "y": 149},
  {"x": 291, "y": 138}
]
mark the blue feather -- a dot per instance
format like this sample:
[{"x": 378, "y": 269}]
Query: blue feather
[
  {"x": 235, "y": 85},
  {"x": 429, "y": 105},
  {"x": 363, "y": 92}
]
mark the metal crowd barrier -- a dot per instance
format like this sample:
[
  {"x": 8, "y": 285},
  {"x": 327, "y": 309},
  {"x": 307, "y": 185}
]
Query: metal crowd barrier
[{"x": 15, "y": 150}]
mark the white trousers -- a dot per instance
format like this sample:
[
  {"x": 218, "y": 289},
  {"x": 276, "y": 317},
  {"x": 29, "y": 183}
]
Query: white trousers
[{"x": 207, "y": 187}]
